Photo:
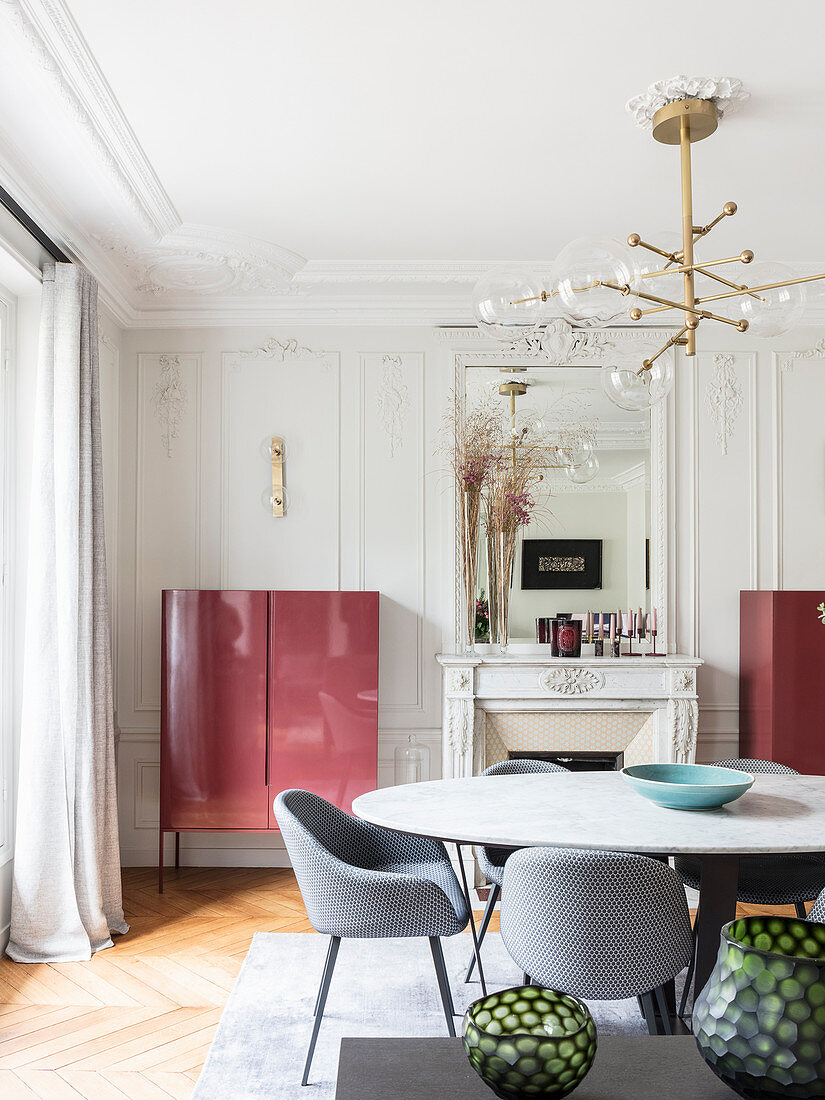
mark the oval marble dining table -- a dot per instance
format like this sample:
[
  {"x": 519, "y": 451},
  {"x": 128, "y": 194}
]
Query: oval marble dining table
[{"x": 779, "y": 814}]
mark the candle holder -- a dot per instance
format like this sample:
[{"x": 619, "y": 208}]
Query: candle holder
[
  {"x": 616, "y": 645},
  {"x": 653, "y": 652},
  {"x": 629, "y": 637},
  {"x": 598, "y": 647}
]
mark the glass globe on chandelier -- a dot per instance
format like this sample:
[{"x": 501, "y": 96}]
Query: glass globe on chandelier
[
  {"x": 588, "y": 269},
  {"x": 598, "y": 281},
  {"x": 508, "y": 303}
]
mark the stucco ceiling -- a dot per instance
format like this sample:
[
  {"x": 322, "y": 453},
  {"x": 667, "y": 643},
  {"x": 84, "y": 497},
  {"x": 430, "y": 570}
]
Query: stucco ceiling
[{"x": 442, "y": 132}]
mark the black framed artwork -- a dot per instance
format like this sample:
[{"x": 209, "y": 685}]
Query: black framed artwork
[{"x": 561, "y": 563}]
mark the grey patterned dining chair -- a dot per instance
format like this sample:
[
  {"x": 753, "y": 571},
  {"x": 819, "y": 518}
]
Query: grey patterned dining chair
[
  {"x": 766, "y": 880},
  {"x": 362, "y": 882},
  {"x": 598, "y": 925},
  {"x": 817, "y": 913},
  {"x": 491, "y": 861}
]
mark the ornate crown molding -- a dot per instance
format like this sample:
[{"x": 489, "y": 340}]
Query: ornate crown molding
[
  {"x": 50, "y": 35},
  {"x": 203, "y": 259},
  {"x": 725, "y": 91}
]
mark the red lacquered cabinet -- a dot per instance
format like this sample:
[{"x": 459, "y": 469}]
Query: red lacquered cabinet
[
  {"x": 262, "y": 691},
  {"x": 781, "y": 679}
]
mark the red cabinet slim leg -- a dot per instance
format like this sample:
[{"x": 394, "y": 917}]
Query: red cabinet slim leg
[
  {"x": 177, "y": 850},
  {"x": 160, "y": 861}
]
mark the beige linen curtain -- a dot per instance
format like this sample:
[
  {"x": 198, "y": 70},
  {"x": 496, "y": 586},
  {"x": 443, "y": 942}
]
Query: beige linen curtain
[{"x": 66, "y": 896}]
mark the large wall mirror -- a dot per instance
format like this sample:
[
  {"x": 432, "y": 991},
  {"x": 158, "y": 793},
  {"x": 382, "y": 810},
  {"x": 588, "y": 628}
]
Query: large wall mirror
[{"x": 591, "y": 545}]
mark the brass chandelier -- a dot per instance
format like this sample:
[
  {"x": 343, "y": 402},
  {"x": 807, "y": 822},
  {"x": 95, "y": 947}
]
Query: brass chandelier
[{"x": 598, "y": 281}]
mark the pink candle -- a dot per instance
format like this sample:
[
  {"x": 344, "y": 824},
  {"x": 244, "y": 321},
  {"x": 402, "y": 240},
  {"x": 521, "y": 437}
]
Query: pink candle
[
  {"x": 630, "y": 630},
  {"x": 619, "y": 622},
  {"x": 654, "y": 620},
  {"x": 601, "y": 624},
  {"x": 612, "y": 628}
]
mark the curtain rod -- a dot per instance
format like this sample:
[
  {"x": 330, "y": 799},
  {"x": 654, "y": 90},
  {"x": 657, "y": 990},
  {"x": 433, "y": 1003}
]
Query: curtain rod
[{"x": 32, "y": 228}]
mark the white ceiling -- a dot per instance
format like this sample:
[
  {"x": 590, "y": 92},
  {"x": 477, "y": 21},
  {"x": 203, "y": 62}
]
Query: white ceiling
[{"x": 428, "y": 139}]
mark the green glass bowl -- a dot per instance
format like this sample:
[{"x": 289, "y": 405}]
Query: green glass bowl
[
  {"x": 529, "y": 1042},
  {"x": 759, "y": 1022},
  {"x": 688, "y": 786}
]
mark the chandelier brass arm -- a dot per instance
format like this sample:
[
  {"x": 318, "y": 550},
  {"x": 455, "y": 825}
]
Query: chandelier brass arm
[
  {"x": 678, "y": 339},
  {"x": 743, "y": 258},
  {"x": 765, "y": 286}
]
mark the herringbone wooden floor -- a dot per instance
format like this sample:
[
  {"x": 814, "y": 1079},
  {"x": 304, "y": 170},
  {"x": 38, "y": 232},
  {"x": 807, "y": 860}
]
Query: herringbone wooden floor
[{"x": 138, "y": 1019}]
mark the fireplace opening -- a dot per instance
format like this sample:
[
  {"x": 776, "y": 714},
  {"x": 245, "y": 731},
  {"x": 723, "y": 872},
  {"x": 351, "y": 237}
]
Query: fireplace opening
[{"x": 576, "y": 761}]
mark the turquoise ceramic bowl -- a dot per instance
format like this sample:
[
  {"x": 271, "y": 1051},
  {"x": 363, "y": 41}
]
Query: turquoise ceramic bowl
[{"x": 688, "y": 786}]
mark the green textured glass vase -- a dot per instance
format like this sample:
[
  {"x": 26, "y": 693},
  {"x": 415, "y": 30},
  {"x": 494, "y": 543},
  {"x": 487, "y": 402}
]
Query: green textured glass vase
[
  {"x": 760, "y": 1020},
  {"x": 529, "y": 1042}
]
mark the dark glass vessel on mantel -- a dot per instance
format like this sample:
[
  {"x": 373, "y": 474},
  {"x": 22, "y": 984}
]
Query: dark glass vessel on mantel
[{"x": 569, "y": 638}]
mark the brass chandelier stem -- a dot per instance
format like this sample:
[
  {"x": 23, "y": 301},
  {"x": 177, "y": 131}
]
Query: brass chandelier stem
[{"x": 687, "y": 233}]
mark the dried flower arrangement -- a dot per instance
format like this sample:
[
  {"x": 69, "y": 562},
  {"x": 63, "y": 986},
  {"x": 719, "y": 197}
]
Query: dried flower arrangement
[
  {"x": 497, "y": 465},
  {"x": 470, "y": 440},
  {"x": 510, "y": 498}
]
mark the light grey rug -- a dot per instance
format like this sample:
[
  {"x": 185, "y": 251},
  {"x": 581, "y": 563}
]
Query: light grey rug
[{"x": 379, "y": 988}]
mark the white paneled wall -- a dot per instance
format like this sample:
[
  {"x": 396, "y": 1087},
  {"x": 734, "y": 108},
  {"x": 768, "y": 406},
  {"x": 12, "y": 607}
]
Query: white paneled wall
[{"x": 369, "y": 508}]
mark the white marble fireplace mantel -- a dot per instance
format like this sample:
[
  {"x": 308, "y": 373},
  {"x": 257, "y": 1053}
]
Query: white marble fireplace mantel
[{"x": 477, "y": 684}]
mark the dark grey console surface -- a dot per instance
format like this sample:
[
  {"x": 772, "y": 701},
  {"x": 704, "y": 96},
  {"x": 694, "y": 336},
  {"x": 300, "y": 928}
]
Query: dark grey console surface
[{"x": 430, "y": 1069}]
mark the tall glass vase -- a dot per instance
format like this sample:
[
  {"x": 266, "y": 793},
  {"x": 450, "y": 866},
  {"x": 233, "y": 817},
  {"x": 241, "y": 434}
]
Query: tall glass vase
[
  {"x": 490, "y": 543},
  {"x": 470, "y": 516},
  {"x": 505, "y": 552}
]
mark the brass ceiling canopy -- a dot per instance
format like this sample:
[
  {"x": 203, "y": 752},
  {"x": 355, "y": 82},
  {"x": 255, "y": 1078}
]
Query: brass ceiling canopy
[
  {"x": 598, "y": 282},
  {"x": 700, "y": 114}
]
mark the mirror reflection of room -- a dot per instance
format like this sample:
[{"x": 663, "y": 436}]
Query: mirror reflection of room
[{"x": 587, "y": 546}]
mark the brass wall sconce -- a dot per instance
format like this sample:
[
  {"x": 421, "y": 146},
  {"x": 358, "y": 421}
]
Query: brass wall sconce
[{"x": 276, "y": 451}]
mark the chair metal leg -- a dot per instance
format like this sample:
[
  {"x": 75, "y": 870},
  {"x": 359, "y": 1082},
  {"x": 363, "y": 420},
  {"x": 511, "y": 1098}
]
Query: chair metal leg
[
  {"x": 664, "y": 1010},
  {"x": 326, "y": 964},
  {"x": 526, "y": 979},
  {"x": 495, "y": 894},
  {"x": 469, "y": 901},
  {"x": 689, "y": 975},
  {"x": 646, "y": 1000},
  {"x": 326, "y": 978},
  {"x": 801, "y": 910},
  {"x": 443, "y": 983}
]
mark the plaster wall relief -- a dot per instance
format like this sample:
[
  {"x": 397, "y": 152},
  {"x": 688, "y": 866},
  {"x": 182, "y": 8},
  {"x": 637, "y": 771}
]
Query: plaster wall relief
[
  {"x": 169, "y": 399},
  {"x": 788, "y": 359},
  {"x": 391, "y": 401},
  {"x": 280, "y": 351},
  {"x": 724, "y": 398}
]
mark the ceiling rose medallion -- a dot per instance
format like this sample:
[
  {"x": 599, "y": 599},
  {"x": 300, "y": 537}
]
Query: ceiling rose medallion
[{"x": 599, "y": 281}]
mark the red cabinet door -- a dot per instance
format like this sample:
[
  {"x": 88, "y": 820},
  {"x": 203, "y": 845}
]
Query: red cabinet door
[
  {"x": 798, "y": 679},
  {"x": 213, "y": 710},
  {"x": 323, "y": 694}
]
